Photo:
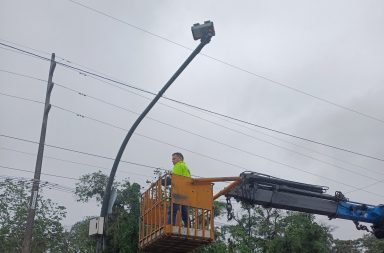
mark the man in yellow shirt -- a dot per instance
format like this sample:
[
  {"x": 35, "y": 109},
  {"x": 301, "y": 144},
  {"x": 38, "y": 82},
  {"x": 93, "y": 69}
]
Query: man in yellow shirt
[
  {"x": 181, "y": 169},
  {"x": 179, "y": 166}
]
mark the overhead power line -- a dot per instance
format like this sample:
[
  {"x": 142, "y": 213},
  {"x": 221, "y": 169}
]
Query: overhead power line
[
  {"x": 287, "y": 134},
  {"x": 79, "y": 152},
  {"x": 131, "y": 25},
  {"x": 29, "y": 171},
  {"x": 209, "y": 157},
  {"x": 72, "y": 162},
  {"x": 216, "y": 159},
  {"x": 204, "y": 137},
  {"x": 367, "y": 186},
  {"x": 280, "y": 84},
  {"x": 38, "y": 102},
  {"x": 21, "y": 98},
  {"x": 43, "y": 183},
  {"x": 292, "y": 167},
  {"x": 83, "y": 71},
  {"x": 285, "y": 141},
  {"x": 123, "y": 129},
  {"x": 219, "y": 125},
  {"x": 209, "y": 111},
  {"x": 23, "y": 75},
  {"x": 228, "y": 128},
  {"x": 207, "y": 138}
]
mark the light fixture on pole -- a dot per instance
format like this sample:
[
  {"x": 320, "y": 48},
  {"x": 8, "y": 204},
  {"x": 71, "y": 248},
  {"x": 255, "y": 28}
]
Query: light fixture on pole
[{"x": 202, "y": 32}]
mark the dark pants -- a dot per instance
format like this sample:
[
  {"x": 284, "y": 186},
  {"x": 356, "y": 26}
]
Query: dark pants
[{"x": 184, "y": 214}]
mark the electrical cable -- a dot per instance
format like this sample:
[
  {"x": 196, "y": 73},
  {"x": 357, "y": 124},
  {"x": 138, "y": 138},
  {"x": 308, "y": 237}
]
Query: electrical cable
[
  {"x": 30, "y": 48},
  {"x": 42, "y": 183},
  {"x": 225, "y": 116},
  {"x": 290, "y": 143},
  {"x": 46, "y": 174},
  {"x": 77, "y": 69},
  {"x": 209, "y": 157},
  {"x": 218, "y": 142},
  {"x": 131, "y": 25},
  {"x": 70, "y": 161},
  {"x": 144, "y": 136},
  {"x": 216, "y": 159},
  {"x": 203, "y": 137},
  {"x": 19, "y": 52},
  {"x": 22, "y": 98},
  {"x": 307, "y": 172},
  {"x": 367, "y": 186},
  {"x": 231, "y": 129},
  {"x": 232, "y": 65},
  {"x": 209, "y": 111},
  {"x": 23, "y": 75},
  {"x": 79, "y": 152},
  {"x": 34, "y": 101}
]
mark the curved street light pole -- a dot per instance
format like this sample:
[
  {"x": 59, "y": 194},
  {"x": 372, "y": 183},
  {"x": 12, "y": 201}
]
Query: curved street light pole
[{"x": 203, "y": 32}]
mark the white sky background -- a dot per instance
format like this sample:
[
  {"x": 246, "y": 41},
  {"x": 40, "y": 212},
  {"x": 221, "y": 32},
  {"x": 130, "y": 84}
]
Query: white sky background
[{"x": 330, "y": 49}]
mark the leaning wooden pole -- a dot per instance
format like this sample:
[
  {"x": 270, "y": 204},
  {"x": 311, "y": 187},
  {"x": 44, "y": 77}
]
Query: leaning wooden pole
[{"x": 27, "y": 242}]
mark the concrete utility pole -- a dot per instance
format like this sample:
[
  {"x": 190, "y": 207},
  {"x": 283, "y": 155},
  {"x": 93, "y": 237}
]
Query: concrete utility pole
[
  {"x": 27, "y": 242},
  {"x": 202, "y": 32}
]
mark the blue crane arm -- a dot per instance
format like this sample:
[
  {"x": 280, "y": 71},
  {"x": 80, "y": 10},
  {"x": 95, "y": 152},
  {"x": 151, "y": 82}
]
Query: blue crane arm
[
  {"x": 360, "y": 212},
  {"x": 260, "y": 189}
]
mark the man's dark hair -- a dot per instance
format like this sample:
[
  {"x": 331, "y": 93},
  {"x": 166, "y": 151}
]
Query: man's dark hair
[{"x": 180, "y": 155}]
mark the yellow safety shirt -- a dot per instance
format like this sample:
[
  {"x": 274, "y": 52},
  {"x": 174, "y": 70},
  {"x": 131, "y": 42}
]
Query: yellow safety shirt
[{"x": 181, "y": 169}]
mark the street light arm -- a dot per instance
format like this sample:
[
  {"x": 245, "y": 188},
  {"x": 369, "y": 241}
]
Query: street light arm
[{"x": 104, "y": 208}]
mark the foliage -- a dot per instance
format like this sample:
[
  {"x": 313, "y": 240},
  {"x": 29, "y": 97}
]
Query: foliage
[
  {"x": 346, "y": 246},
  {"x": 371, "y": 244},
  {"x": 218, "y": 246},
  {"x": 124, "y": 221},
  {"x": 49, "y": 234},
  {"x": 219, "y": 208},
  {"x": 259, "y": 229},
  {"x": 255, "y": 228},
  {"x": 79, "y": 239},
  {"x": 368, "y": 244},
  {"x": 91, "y": 186},
  {"x": 123, "y": 224},
  {"x": 302, "y": 234}
]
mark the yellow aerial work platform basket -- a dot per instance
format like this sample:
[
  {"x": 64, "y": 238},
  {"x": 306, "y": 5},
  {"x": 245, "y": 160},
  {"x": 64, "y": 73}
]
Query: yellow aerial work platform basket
[{"x": 159, "y": 232}]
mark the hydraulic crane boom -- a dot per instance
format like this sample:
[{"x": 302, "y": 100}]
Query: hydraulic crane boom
[
  {"x": 163, "y": 228},
  {"x": 260, "y": 189}
]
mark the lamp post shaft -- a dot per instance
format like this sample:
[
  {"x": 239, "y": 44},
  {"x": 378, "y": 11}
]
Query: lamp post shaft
[{"x": 104, "y": 207}]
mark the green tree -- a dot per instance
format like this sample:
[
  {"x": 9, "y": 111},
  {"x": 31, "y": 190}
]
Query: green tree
[
  {"x": 368, "y": 244},
  {"x": 79, "y": 239},
  {"x": 124, "y": 221},
  {"x": 91, "y": 186},
  {"x": 123, "y": 224},
  {"x": 255, "y": 228},
  {"x": 219, "y": 245},
  {"x": 219, "y": 208},
  {"x": 371, "y": 244},
  {"x": 300, "y": 233},
  {"x": 48, "y": 233},
  {"x": 268, "y": 230},
  {"x": 346, "y": 246}
]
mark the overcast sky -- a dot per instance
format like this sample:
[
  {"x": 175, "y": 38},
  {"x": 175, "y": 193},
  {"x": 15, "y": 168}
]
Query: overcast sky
[{"x": 293, "y": 66}]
